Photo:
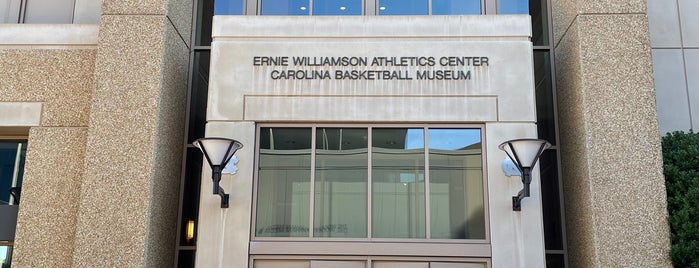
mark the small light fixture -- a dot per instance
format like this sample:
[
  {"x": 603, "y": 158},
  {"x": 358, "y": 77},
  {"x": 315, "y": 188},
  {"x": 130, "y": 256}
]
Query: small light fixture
[
  {"x": 218, "y": 151},
  {"x": 524, "y": 153},
  {"x": 190, "y": 231}
]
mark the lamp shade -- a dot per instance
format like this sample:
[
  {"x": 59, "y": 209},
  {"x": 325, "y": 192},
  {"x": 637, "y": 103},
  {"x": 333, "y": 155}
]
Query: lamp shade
[
  {"x": 218, "y": 151},
  {"x": 524, "y": 152}
]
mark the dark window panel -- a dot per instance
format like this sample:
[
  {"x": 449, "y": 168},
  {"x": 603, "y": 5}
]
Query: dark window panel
[
  {"x": 190, "y": 197},
  {"x": 546, "y": 123},
  {"x": 538, "y": 10},
  {"x": 551, "y": 203},
  {"x": 199, "y": 96},
  {"x": 186, "y": 259},
  {"x": 555, "y": 261},
  {"x": 9, "y": 168},
  {"x": 205, "y": 13}
]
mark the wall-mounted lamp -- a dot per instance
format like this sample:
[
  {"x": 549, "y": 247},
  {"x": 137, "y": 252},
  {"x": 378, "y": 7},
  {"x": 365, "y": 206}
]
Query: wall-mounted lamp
[
  {"x": 190, "y": 232},
  {"x": 218, "y": 151},
  {"x": 524, "y": 153}
]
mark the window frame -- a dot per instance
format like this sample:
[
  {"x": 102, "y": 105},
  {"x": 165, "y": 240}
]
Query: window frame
[
  {"x": 370, "y": 260},
  {"x": 425, "y": 241},
  {"x": 369, "y": 8}
]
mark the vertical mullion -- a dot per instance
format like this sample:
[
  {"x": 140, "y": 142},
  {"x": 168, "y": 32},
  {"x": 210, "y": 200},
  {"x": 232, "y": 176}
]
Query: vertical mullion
[
  {"x": 22, "y": 11},
  {"x": 427, "y": 184},
  {"x": 257, "y": 7},
  {"x": 370, "y": 7},
  {"x": 559, "y": 170},
  {"x": 491, "y": 7},
  {"x": 313, "y": 182},
  {"x": 15, "y": 173},
  {"x": 369, "y": 181}
]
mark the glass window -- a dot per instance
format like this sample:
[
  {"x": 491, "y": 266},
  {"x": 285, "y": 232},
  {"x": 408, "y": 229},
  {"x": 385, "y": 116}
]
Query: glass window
[
  {"x": 286, "y": 7},
  {"x": 228, "y": 7},
  {"x": 403, "y": 7},
  {"x": 398, "y": 183},
  {"x": 12, "y": 155},
  {"x": 9, "y": 12},
  {"x": 539, "y": 13},
  {"x": 370, "y": 183},
  {"x": 283, "y": 185},
  {"x": 5, "y": 255},
  {"x": 337, "y": 7},
  {"x": 456, "y": 7},
  {"x": 456, "y": 184},
  {"x": 513, "y": 6},
  {"x": 49, "y": 11},
  {"x": 341, "y": 183}
]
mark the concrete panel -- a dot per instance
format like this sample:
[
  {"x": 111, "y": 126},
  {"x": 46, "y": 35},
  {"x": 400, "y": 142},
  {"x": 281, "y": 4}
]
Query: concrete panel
[
  {"x": 136, "y": 121},
  {"x": 514, "y": 234},
  {"x": 48, "y": 34},
  {"x": 691, "y": 58},
  {"x": 504, "y": 26},
  {"x": 50, "y": 197},
  {"x": 402, "y": 264},
  {"x": 671, "y": 91},
  {"x": 133, "y": 7},
  {"x": 87, "y": 11},
  {"x": 371, "y": 109},
  {"x": 338, "y": 264},
  {"x": 456, "y": 265},
  {"x": 282, "y": 264},
  {"x": 581, "y": 250},
  {"x": 180, "y": 14},
  {"x": 235, "y": 73},
  {"x": 611, "y": 6},
  {"x": 369, "y": 248},
  {"x": 664, "y": 23},
  {"x": 563, "y": 13},
  {"x": 609, "y": 102},
  {"x": 60, "y": 79},
  {"x": 14, "y": 114},
  {"x": 690, "y": 22},
  {"x": 224, "y": 233}
]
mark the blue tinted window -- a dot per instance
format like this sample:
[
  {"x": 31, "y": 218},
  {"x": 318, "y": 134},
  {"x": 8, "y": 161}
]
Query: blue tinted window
[
  {"x": 12, "y": 155},
  {"x": 228, "y": 7},
  {"x": 456, "y": 7},
  {"x": 402, "y": 7},
  {"x": 285, "y": 7},
  {"x": 337, "y": 7},
  {"x": 513, "y": 6}
]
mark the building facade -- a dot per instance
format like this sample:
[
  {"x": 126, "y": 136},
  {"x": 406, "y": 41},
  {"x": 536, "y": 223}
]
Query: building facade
[{"x": 370, "y": 132}]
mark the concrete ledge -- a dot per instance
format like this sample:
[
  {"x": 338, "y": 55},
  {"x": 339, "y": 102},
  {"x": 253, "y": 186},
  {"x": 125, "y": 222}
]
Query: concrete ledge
[
  {"x": 369, "y": 248},
  {"x": 373, "y": 26},
  {"x": 48, "y": 34},
  {"x": 371, "y": 108},
  {"x": 13, "y": 114}
]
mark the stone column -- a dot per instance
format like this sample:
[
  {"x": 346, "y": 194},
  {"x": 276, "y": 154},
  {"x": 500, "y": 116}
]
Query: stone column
[
  {"x": 130, "y": 191},
  {"x": 614, "y": 189},
  {"x": 57, "y": 81}
]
